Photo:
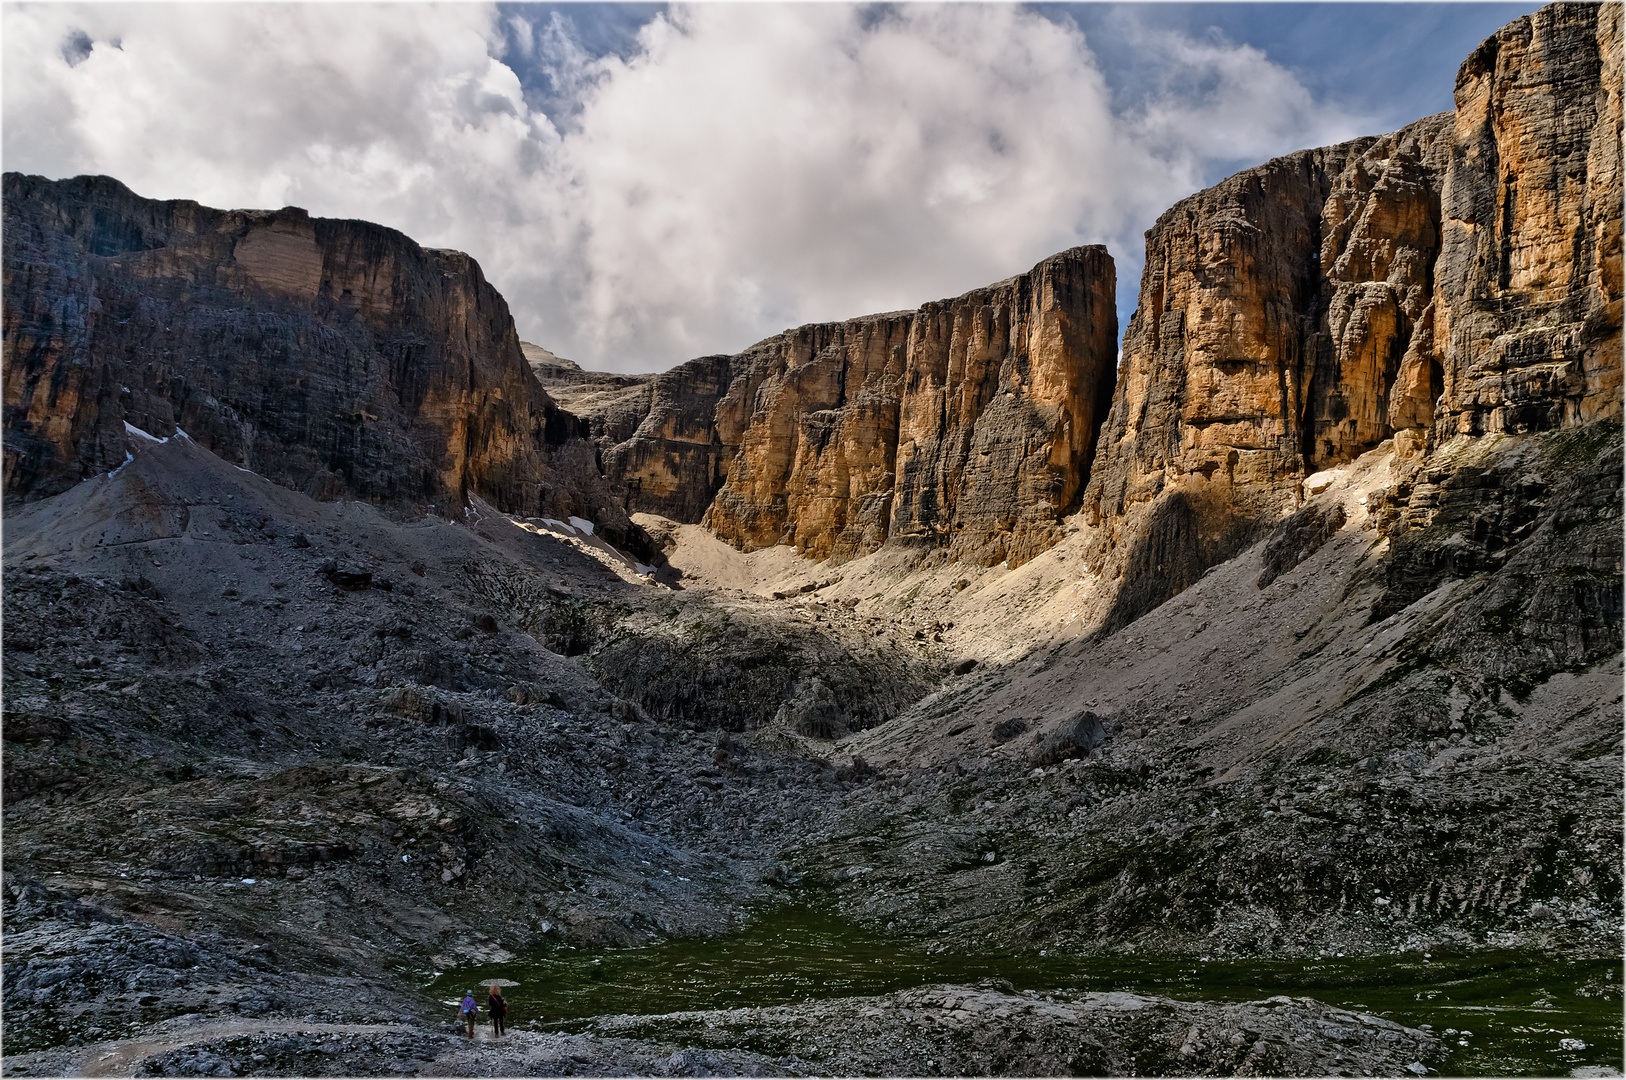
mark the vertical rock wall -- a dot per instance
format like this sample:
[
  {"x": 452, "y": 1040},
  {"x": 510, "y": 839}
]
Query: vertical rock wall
[
  {"x": 1527, "y": 304},
  {"x": 674, "y": 461},
  {"x": 1004, "y": 392},
  {"x": 812, "y": 419},
  {"x": 966, "y": 426},
  {"x": 1460, "y": 276},
  {"x": 1380, "y": 237},
  {"x": 335, "y": 357},
  {"x": 1207, "y": 436}
]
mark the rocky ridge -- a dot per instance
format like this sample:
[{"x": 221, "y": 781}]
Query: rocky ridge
[
  {"x": 1456, "y": 277},
  {"x": 966, "y": 426},
  {"x": 338, "y": 358}
]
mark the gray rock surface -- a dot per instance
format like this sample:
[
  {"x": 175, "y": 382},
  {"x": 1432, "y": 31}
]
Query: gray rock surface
[{"x": 931, "y": 1031}]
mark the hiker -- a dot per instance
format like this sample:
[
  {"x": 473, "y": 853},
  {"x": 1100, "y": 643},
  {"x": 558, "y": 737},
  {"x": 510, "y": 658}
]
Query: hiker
[
  {"x": 499, "y": 1011},
  {"x": 468, "y": 1010}
]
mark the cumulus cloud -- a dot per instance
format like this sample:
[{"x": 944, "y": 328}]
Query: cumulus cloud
[
  {"x": 1216, "y": 101},
  {"x": 742, "y": 169}
]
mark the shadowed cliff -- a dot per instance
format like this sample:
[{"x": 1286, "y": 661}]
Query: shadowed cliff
[{"x": 339, "y": 358}]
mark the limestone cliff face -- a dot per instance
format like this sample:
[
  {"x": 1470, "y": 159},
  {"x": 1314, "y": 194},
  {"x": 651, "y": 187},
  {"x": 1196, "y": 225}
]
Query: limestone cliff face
[
  {"x": 965, "y": 427},
  {"x": 674, "y": 461},
  {"x": 1527, "y": 298},
  {"x": 813, "y": 416},
  {"x": 1005, "y": 392},
  {"x": 336, "y": 357},
  {"x": 1259, "y": 343},
  {"x": 1461, "y": 275},
  {"x": 1380, "y": 237}
]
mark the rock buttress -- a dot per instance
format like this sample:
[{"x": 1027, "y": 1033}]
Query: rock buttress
[
  {"x": 1205, "y": 441},
  {"x": 339, "y": 358},
  {"x": 1459, "y": 276},
  {"x": 1527, "y": 297},
  {"x": 1380, "y": 236},
  {"x": 966, "y": 426},
  {"x": 1004, "y": 392},
  {"x": 812, "y": 418},
  {"x": 674, "y": 461}
]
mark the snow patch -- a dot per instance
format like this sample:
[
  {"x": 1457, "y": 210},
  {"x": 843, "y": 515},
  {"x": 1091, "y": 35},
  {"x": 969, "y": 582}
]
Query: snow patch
[
  {"x": 583, "y": 524},
  {"x": 643, "y": 571},
  {"x": 555, "y": 523},
  {"x": 128, "y": 457},
  {"x": 131, "y": 429}
]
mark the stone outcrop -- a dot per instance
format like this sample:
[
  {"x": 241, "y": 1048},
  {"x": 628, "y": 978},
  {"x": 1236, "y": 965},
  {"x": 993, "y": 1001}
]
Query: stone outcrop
[
  {"x": 1527, "y": 298},
  {"x": 1459, "y": 276},
  {"x": 965, "y": 427},
  {"x": 813, "y": 416},
  {"x": 674, "y": 461},
  {"x": 339, "y": 358},
  {"x": 1263, "y": 342}
]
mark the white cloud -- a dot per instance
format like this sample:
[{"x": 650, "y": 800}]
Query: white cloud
[
  {"x": 746, "y": 168},
  {"x": 1219, "y": 101}
]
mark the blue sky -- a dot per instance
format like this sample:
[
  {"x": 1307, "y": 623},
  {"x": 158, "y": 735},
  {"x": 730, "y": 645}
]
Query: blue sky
[
  {"x": 1394, "y": 62},
  {"x": 647, "y": 183}
]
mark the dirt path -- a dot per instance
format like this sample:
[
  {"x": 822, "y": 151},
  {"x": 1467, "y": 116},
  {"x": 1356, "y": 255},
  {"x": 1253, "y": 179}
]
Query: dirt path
[{"x": 120, "y": 1057}]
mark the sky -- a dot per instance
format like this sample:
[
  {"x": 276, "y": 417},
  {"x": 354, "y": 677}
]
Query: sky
[{"x": 647, "y": 183}]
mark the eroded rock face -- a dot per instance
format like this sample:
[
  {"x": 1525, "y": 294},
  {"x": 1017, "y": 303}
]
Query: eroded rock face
[
  {"x": 1528, "y": 286},
  {"x": 1459, "y": 276},
  {"x": 814, "y": 418},
  {"x": 674, "y": 461},
  {"x": 1207, "y": 434},
  {"x": 1006, "y": 390},
  {"x": 335, "y": 357},
  {"x": 966, "y": 426},
  {"x": 1380, "y": 237}
]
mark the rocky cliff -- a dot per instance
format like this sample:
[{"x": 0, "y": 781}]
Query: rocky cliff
[
  {"x": 1527, "y": 297},
  {"x": 965, "y": 427},
  {"x": 339, "y": 358},
  {"x": 673, "y": 460},
  {"x": 1274, "y": 312},
  {"x": 1459, "y": 276}
]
